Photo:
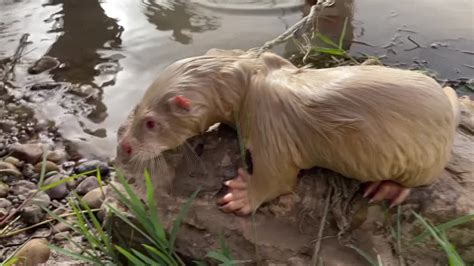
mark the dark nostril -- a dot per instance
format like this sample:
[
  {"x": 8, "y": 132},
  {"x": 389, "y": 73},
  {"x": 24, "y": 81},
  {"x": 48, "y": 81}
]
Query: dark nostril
[{"x": 127, "y": 148}]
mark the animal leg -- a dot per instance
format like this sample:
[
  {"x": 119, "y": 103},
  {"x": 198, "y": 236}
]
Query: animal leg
[
  {"x": 248, "y": 192},
  {"x": 237, "y": 200},
  {"x": 386, "y": 190}
]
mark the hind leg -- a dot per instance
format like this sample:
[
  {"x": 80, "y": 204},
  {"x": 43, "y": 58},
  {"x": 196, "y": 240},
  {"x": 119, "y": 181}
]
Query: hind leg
[{"x": 386, "y": 190}]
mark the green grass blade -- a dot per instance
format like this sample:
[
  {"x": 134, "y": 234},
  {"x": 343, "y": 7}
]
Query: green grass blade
[
  {"x": 43, "y": 168},
  {"x": 85, "y": 231},
  {"x": 225, "y": 248},
  {"x": 166, "y": 259},
  {"x": 140, "y": 216},
  {"x": 82, "y": 248},
  {"x": 136, "y": 261},
  {"x": 220, "y": 257},
  {"x": 144, "y": 258},
  {"x": 364, "y": 254},
  {"x": 159, "y": 231},
  {"x": 445, "y": 226},
  {"x": 64, "y": 180},
  {"x": 98, "y": 227},
  {"x": 75, "y": 255},
  {"x": 453, "y": 256},
  {"x": 127, "y": 221},
  {"x": 343, "y": 34},
  {"x": 326, "y": 40},
  {"x": 10, "y": 262},
  {"x": 177, "y": 223},
  {"x": 329, "y": 51}
]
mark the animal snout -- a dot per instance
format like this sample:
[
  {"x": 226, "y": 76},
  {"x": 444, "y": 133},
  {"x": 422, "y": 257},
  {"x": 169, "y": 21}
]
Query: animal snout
[{"x": 126, "y": 147}]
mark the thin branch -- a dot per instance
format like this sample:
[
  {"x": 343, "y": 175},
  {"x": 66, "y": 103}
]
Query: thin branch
[
  {"x": 18, "y": 53},
  {"x": 302, "y": 25},
  {"x": 317, "y": 247}
]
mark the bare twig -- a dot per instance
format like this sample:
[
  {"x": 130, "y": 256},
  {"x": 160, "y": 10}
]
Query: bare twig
[
  {"x": 414, "y": 42},
  {"x": 43, "y": 222},
  {"x": 18, "y": 53},
  {"x": 300, "y": 26},
  {"x": 317, "y": 246}
]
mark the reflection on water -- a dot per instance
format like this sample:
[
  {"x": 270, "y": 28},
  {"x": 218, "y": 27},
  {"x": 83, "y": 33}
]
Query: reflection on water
[
  {"x": 84, "y": 30},
  {"x": 178, "y": 17},
  {"x": 118, "y": 47}
]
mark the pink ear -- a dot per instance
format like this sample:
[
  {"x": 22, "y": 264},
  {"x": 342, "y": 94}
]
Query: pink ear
[{"x": 182, "y": 102}]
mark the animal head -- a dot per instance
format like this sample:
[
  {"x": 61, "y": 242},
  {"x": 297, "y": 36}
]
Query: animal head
[{"x": 154, "y": 129}]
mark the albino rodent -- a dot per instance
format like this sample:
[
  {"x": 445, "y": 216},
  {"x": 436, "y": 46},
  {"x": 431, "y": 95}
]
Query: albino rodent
[{"x": 389, "y": 127}]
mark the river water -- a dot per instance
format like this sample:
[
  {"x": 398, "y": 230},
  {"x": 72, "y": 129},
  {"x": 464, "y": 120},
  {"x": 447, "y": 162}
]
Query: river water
[{"x": 118, "y": 47}]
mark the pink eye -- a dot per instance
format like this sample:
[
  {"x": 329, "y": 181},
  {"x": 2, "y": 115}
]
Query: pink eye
[{"x": 150, "y": 124}]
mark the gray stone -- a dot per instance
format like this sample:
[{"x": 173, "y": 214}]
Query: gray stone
[
  {"x": 32, "y": 214},
  {"x": 30, "y": 153},
  {"x": 22, "y": 187},
  {"x": 34, "y": 252},
  {"x": 92, "y": 165},
  {"x": 3, "y": 190},
  {"x": 94, "y": 198},
  {"x": 58, "y": 192},
  {"x": 9, "y": 170},
  {"x": 49, "y": 167},
  {"x": 87, "y": 185},
  {"x": 16, "y": 162},
  {"x": 4, "y": 203}
]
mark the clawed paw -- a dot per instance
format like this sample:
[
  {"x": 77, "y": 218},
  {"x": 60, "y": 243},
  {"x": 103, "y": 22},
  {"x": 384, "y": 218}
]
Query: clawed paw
[
  {"x": 386, "y": 190},
  {"x": 237, "y": 199}
]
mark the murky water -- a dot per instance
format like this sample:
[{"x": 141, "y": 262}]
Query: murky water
[{"x": 118, "y": 47}]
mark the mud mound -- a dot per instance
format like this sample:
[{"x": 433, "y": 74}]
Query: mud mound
[{"x": 286, "y": 230}]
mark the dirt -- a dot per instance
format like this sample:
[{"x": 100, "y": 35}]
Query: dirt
[{"x": 284, "y": 232}]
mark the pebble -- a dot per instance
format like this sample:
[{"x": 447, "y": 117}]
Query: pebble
[
  {"x": 5, "y": 204},
  {"x": 87, "y": 185},
  {"x": 58, "y": 192},
  {"x": 92, "y": 165},
  {"x": 30, "y": 153},
  {"x": 14, "y": 161},
  {"x": 61, "y": 236},
  {"x": 28, "y": 171},
  {"x": 94, "y": 198},
  {"x": 32, "y": 214},
  {"x": 43, "y": 64},
  {"x": 62, "y": 227},
  {"x": 22, "y": 187},
  {"x": 34, "y": 252},
  {"x": 8, "y": 169},
  {"x": 4, "y": 188},
  {"x": 50, "y": 166},
  {"x": 56, "y": 156}
]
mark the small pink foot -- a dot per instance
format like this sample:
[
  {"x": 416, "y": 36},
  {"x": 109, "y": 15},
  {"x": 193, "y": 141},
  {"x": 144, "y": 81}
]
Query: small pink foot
[
  {"x": 236, "y": 200},
  {"x": 386, "y": 190}
]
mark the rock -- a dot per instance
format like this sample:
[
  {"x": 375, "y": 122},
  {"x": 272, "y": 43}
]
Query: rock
[
  {"x": 13, "y": 160},
  {"x": 61, "y": 227},
  {"x": 56, "y": 156},
  {"x": 22, "y": 188},
  {"x": 30, "y": 153},
  {"x": 32, "y": 214},
  {"x": 4, "y": 188},
  {"x": 94, "y": 198},
  {"x": 9, "y": 170},
  {"x": 43, "y": 64},
  {"x": 372, "y": 61},
  {"x": 61, "y": 236},
  {"x": 50, "y": 166},
  {"x": 5, "y": 204},
  {"x": 28, "y": 171},
  {"x": 467, "y": 114},
  {"x": 33, "y": 211},
  {"x": 58, "y": 192},
  {"x": 34, "y": 252},
  {"x": 92, "y": 165},
  {"x": 87, "y": 185}
]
